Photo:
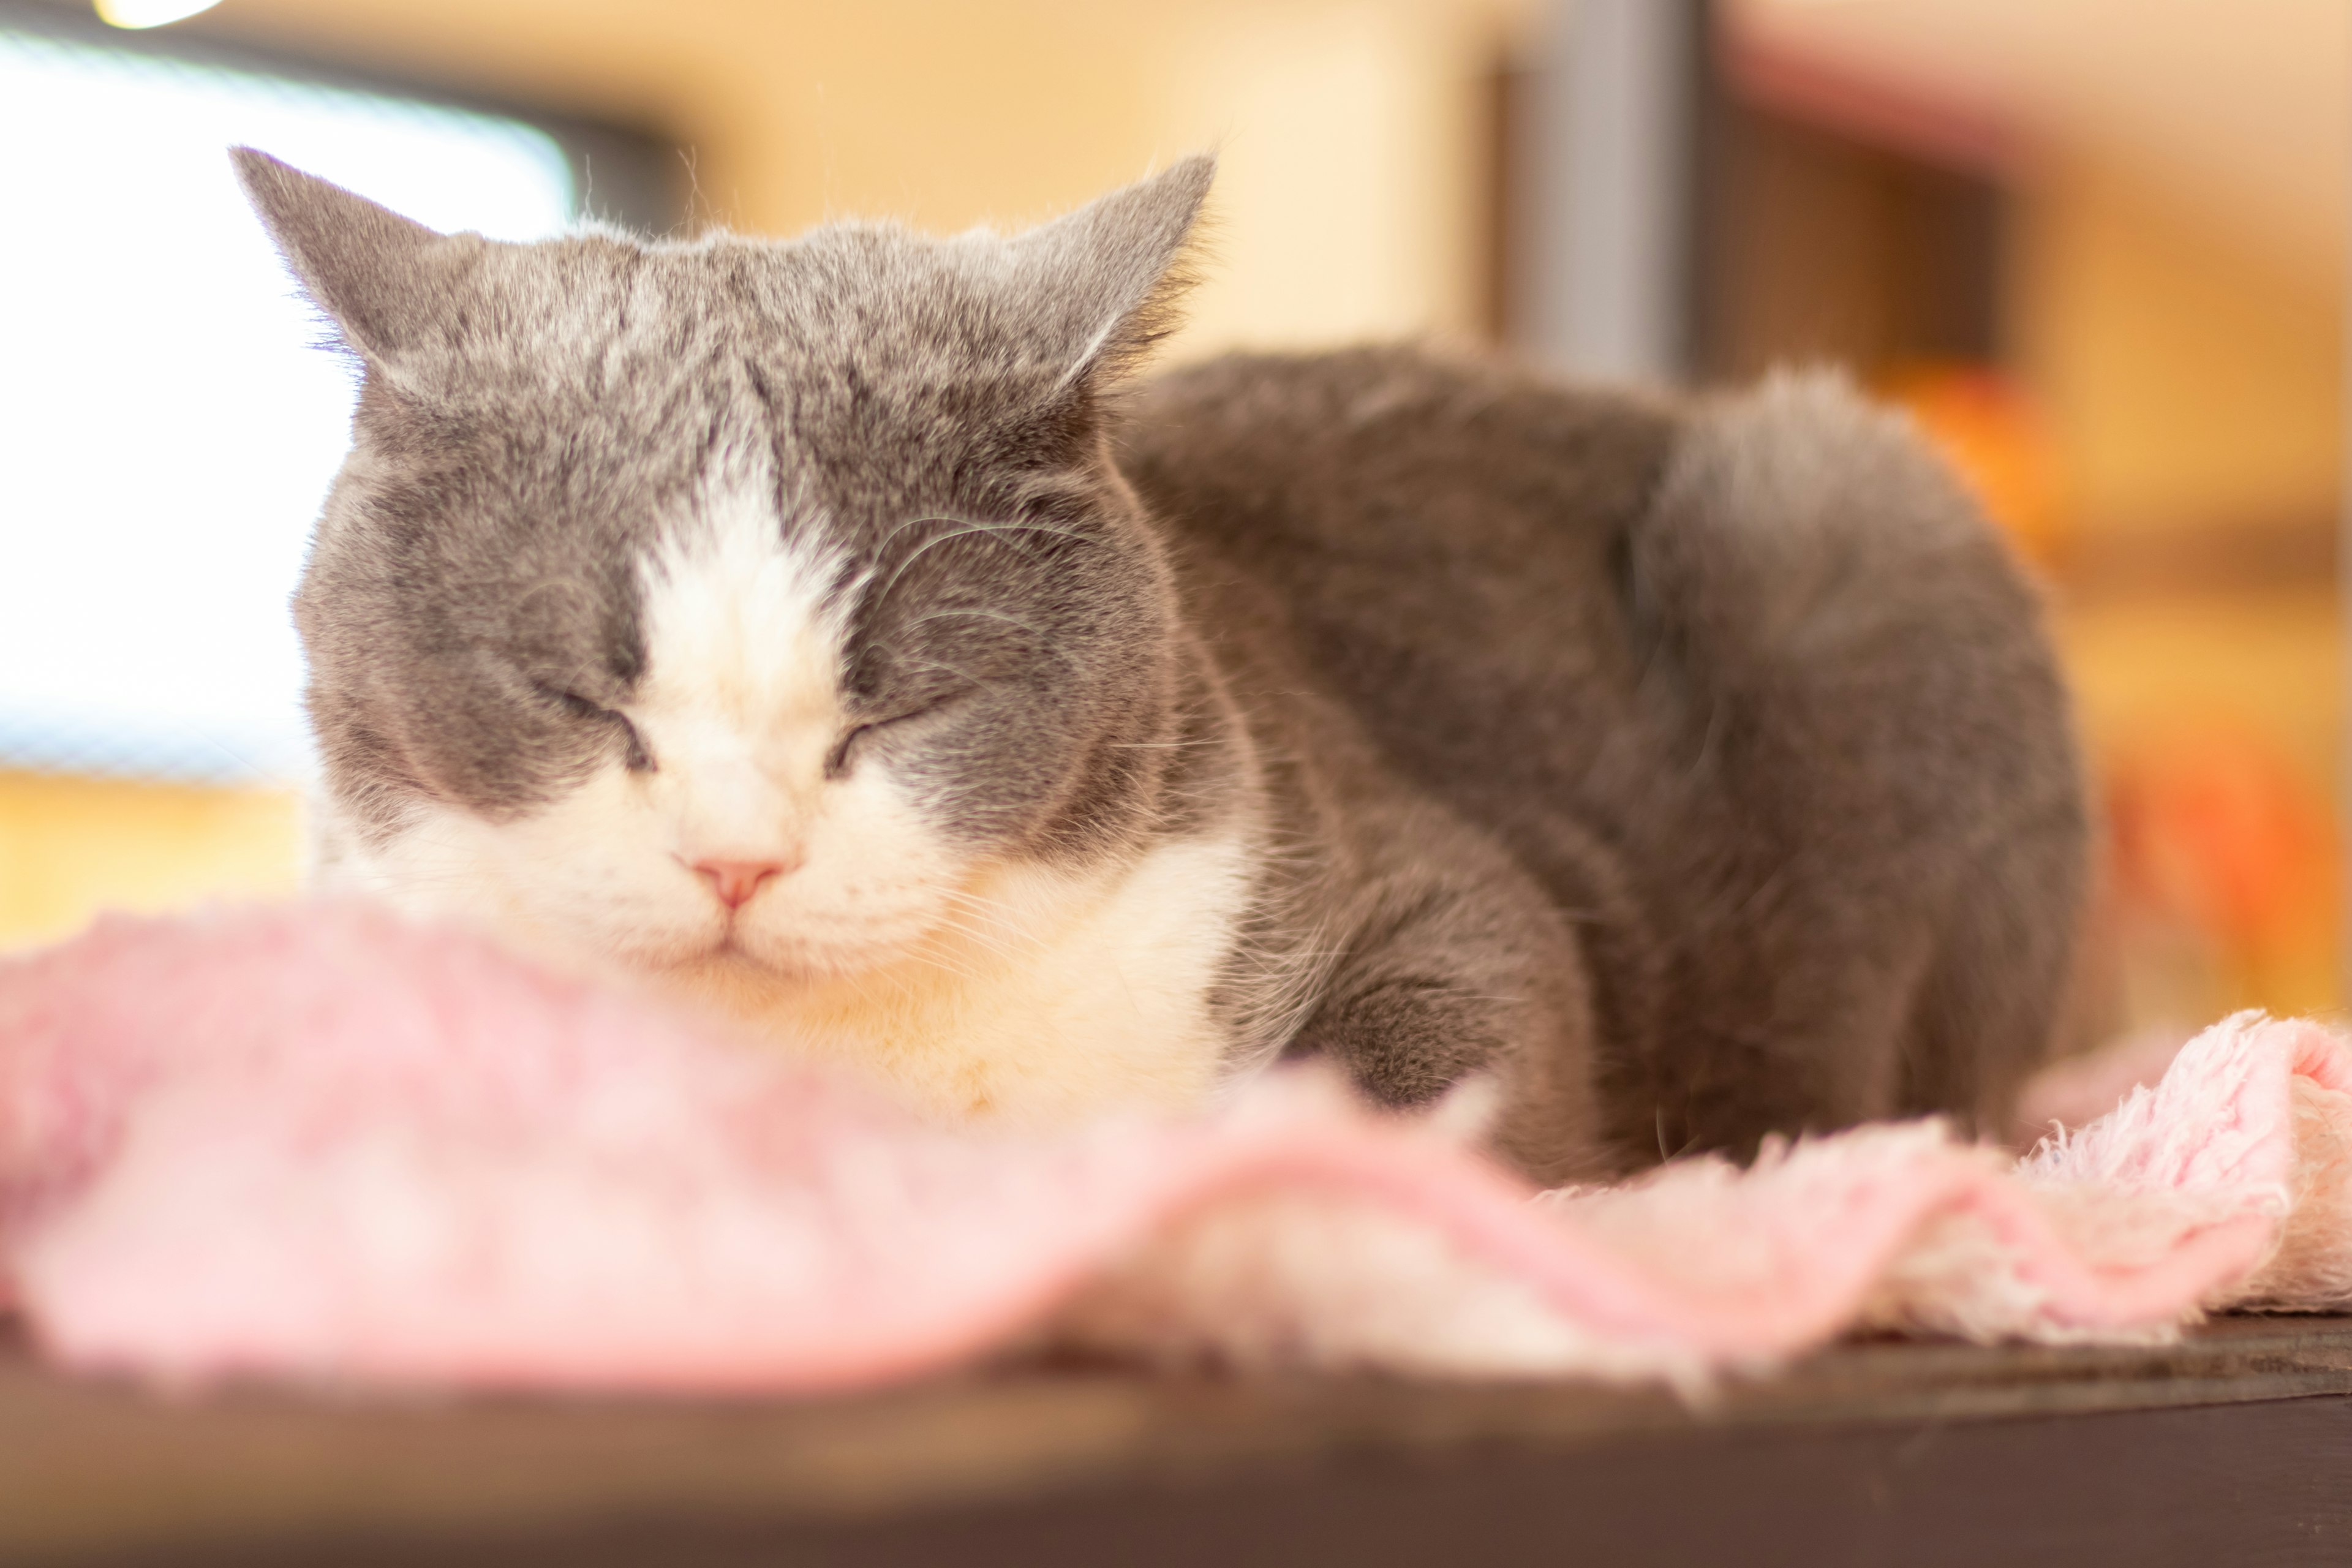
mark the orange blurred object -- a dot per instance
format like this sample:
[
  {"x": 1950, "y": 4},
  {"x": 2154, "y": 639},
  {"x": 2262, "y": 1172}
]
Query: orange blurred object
[
  {"x": 1991, "y": 431},
  {"x": 2214, "y": 828}
]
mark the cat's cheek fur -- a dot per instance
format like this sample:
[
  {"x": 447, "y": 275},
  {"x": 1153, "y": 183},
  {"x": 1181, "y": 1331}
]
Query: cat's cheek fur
[
  {"x": 595, "y": 875},
  {"x": 874, "y": 878},
  {"x": 554, "y": 883}
]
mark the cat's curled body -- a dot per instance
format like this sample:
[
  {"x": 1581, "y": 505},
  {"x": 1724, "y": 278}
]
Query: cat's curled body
[
  {"x": 823, "y": 629},
  {"x": 1713, "y": 748}
]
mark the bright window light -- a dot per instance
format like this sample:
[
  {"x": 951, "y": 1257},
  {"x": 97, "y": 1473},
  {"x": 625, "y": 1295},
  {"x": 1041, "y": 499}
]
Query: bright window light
[
  {"x": 168, "y": 424},
  {"x": 150, "y": 13}
]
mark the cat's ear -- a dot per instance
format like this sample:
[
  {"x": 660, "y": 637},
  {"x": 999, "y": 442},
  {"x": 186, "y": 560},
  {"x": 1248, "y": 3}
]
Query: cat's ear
[
  {"x": 393, "y": 286},
  {"x": 1108, "y": 276}
]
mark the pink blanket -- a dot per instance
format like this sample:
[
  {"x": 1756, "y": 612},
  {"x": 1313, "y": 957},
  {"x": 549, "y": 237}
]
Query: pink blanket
[{"x": 317, "y": 1143}]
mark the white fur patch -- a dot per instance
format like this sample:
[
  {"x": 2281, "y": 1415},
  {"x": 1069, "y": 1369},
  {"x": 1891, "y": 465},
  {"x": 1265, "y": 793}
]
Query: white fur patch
[{"x": 740, "y": 702}]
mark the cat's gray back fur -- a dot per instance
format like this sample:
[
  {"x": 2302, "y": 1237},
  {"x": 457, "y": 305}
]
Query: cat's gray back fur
[{"x": 1746, "y": 685}]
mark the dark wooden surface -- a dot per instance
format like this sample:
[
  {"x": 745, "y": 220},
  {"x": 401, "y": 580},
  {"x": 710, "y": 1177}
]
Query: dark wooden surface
[{"x": 2235, "y": 1448}]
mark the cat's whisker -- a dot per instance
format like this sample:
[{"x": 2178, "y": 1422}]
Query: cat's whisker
[
  {"x": 967, "y": 531},
  {"x": 1002, "y": 945}
]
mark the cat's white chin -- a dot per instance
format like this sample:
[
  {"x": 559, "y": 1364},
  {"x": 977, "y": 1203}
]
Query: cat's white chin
[{"x": 736, "y": 959}]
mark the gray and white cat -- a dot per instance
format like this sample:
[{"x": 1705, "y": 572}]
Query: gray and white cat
[{"x": 823, "y": 629}]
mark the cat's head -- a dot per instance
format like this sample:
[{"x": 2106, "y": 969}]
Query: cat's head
[{"x": 732, "y": 597}]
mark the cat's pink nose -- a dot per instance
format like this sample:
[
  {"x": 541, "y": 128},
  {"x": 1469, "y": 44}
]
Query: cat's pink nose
[{"x": 736, "y": 881}]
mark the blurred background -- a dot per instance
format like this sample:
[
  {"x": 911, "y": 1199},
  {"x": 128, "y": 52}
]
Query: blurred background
[{"x": 2098, "y": 247}]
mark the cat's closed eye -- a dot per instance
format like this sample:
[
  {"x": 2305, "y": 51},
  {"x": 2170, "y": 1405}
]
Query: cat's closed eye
[
  {"x": 838, "y": 762},
  {"x": 640, "y": 758}
]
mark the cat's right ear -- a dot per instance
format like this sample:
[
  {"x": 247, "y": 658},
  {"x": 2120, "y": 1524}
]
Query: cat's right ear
[{"x": 392, "y": 285}]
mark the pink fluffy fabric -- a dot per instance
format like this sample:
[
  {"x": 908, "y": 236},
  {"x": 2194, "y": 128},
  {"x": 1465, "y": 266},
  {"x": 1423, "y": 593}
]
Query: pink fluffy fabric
[{"x": 318, "y": 1143}]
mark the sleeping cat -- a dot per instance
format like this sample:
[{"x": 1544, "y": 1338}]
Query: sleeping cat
[{"x": 833, "y": 630}]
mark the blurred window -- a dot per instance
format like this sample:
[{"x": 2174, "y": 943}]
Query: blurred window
[{"x": 169, "y": 422}]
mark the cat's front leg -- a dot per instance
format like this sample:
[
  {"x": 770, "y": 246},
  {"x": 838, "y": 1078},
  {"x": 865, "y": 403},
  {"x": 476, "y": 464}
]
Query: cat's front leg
[{"x": 1458, "y": 968}]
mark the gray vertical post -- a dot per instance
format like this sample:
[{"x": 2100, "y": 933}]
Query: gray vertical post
[{"x": 1614, "y": 157}]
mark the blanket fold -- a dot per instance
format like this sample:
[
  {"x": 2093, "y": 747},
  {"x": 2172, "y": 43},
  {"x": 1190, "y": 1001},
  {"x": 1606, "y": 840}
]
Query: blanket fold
[{"x": 320, "y": 1143}]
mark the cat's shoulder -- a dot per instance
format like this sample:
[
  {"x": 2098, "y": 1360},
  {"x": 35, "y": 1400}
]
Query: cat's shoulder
[
  {"x": 1373, "y": 391},
  {"x": 1341, "y": 436}
]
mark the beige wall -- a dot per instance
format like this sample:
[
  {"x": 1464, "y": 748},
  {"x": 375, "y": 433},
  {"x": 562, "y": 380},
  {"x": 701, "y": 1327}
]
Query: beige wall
[
  {"x": 1350, "y": 128},
  {"x": 2194, "y": 375}
]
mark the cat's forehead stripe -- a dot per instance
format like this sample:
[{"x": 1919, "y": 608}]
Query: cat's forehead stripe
[{"x": 741, "y": 621}]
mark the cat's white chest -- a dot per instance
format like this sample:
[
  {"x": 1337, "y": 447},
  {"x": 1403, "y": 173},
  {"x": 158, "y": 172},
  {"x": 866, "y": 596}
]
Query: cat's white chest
[{"x": 1064, "y": 995}]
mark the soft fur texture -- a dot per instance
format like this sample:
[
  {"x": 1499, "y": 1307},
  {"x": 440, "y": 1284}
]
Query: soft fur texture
[
  {"x": 317, "y": 1143},
  {"x": 818, "y": 628}
]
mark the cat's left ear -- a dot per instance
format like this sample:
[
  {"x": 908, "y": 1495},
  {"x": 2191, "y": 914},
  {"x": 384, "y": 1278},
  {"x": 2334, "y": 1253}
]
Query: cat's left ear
[
  {"x": 397, "y": 290},
  {"x": 1106, "y": 278}
]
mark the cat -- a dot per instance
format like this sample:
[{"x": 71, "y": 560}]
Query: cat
[{"x": 842, "y": 632}]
